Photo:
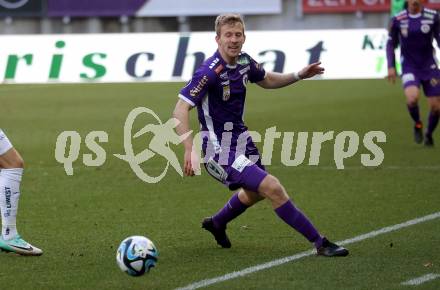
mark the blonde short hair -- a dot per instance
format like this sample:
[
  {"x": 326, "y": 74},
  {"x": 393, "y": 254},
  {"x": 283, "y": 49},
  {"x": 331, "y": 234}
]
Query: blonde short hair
[{"x": 227, "y": 18}]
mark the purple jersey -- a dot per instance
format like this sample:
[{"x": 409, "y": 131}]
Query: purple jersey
[
  {"x": 415, "y": 34},
  {"x": 219, "y": 92}
]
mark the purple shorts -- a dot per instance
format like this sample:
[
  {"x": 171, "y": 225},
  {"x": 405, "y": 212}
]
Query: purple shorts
[
  {"x": 428, "y": 79},
  {"x": 242, "y": 173}
]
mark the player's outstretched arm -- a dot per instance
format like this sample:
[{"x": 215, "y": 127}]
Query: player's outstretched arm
[
  {"x": 392, "y": 43},
  {"x": 392, "y": 75},
  {"x": 311, "y": 70},
  {"x": 181, "y": 113},
  {"x": 275, "y": 80}
]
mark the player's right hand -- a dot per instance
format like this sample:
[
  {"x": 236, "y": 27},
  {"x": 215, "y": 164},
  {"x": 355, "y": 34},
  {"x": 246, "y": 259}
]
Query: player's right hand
[
  {"x": 191, "y": 165},
  {"x": 392, "y": 75}
]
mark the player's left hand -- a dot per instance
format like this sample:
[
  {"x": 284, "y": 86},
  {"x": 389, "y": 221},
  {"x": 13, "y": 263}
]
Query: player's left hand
[{"x": 311, "y": 70}]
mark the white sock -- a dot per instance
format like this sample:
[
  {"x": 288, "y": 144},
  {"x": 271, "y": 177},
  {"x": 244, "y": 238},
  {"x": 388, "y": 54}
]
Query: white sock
[{"x": 9, "y": 195}]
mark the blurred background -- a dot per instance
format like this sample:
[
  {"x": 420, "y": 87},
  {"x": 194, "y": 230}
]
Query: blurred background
[
  {"x": 101, "y": 40},
  {"x": 113, "y": 16}
]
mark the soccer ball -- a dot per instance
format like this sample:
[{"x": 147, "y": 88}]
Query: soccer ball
[{"x": 136, "y": 255}]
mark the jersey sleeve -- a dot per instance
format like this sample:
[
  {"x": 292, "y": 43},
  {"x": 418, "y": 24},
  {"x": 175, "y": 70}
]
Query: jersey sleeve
[
  {"x": 196, "y": 89},
  {"x": 392, "y": 43},
  {"x": 436, "y": 29},
  {"x": 256, "y": 71}
]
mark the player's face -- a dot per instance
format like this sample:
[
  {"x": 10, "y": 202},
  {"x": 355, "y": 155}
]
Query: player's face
[
  {"x": 414, "y": 6},
  {"x": 230, "y": 41}
]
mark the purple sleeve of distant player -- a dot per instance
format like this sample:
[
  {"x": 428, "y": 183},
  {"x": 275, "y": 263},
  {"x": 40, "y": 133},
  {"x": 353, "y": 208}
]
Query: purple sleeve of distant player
[
  {"x": 436, "y": 30},
  {"x": 196, "y": 89},
  {"x": 256, "y": 72},
  {"x": 393, "y": 41}
]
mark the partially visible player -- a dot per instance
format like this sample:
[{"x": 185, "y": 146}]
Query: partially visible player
[
  {"x": 11, "y": 171},
  {"x": 218, "y": 90},
  {"x": 414, "y": 29}
]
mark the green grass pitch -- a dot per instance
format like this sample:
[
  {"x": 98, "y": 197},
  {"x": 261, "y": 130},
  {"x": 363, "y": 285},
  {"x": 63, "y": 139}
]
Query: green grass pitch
[{"x": 80, "y": 220}]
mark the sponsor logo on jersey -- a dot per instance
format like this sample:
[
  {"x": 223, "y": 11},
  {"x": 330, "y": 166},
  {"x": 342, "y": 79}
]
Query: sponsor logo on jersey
[
  {"x": 244, "y": 70},
  {"x": 429, "y": 10},
  {"x": 218, "y": 69},
  {"x": 214, "y": 62},
  {"x": 224, "y": 76},
  {"x": 196, "y": 91},
  {"x": 404, "y": 31},
  {"x": 425, "y": 28},
  {"x": 245, "y": 79},
  {"x": 243, "y": 60},
  {"x": 427, "y": 21},
  {"x": 240, "y": 163},
  {"x": 426, "y": 15}
]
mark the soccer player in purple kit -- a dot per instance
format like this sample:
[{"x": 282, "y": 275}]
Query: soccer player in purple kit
[
  {"x": 218, "y": 90},
  {"x": 414, "y": 29}
]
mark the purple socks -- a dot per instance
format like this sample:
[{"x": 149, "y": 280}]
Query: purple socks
[
  {"x": 414, "y": 112},
  {"x": 432, "y": 122},
  {"x": 287, "y": 212},
  {"x": 432, "y": 119},
  {"x": 297, "y": 220},
  {"x": 232, "y": 209}
]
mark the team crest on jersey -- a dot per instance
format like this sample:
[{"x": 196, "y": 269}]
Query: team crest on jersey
[
  {"x": 425, "y": 28},
  {"x": 434, "y": 82},
  {"x": 226, "y": 92}
]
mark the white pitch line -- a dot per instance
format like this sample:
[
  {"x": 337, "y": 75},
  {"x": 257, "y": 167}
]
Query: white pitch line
[
  {"x": 421, "y": 280},
  {"x": 274, "y": 263},
  {"x": 384, "y": 167}
]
